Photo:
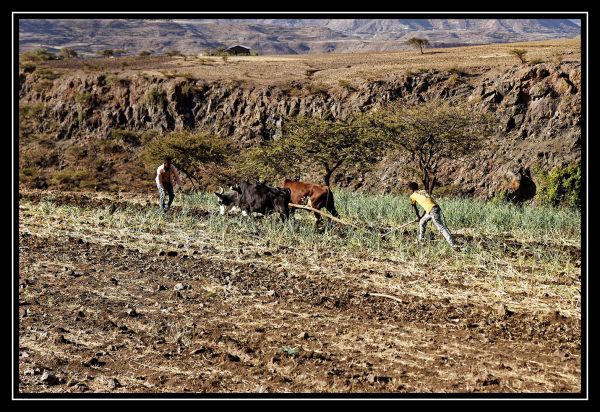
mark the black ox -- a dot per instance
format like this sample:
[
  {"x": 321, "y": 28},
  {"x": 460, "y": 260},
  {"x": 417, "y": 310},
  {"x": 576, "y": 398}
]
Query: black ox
[
  {"x": 228, "y": 201},
  {"x": 261, "y": 198}
]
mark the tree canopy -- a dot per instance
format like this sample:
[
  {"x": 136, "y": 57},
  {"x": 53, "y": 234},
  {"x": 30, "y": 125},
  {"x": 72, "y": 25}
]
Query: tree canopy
[
  {"x": 433, "y": 133},
  {"x": 191, "y": 152},
  {"x": 418, "y": 42},
  {"x": 321, "y": 143}
]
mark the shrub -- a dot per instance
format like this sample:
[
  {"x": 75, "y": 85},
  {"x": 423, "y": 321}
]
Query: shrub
[
  {"x": 118, "y": 80},
  {"x": 146, "y": 53},
  {"x": 110, "y": 146},
  {"x": 71, "y": 177},
  {"x": 520, "y": 53},
  {"x": 318, "y": 88},
  {"x": 43, "y": 85},
  {"x": 48, "y": 74},
  {"x": 560, "y": 187},
  {"x": 32, "y": 111},
  {"x": 173, "y": 52},
  {"x": 454, "y": 78},
  {"x": 27, "y": 67},
  {"x": 456, "y": 70},
  {"x": 449, "y": 191},
  {"x": 127, "y": 136},
  {"x": 186, "y": 89},
  {"x": 77, "y": 151},
  {"x": 84, "y": 98},
  {"x": 43, "y": 54},
  {"x": 346, "y": 85},
  {"x": 156, "y": 97},
  {"x": 500, "y": 198},
  {"x": 28, "y": 171},
  {"x": 67, "y": 53}
]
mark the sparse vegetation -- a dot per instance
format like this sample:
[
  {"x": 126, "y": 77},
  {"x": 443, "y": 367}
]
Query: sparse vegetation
[
  {"x": 127, "y": 136},
  {"x": 38, "y": 55},
  {"x": 77, "y": 151},
  {"x": 67, "y": 53},
  {"x": 456, "y": 70},
  {"x": 318, "y": 88},
  {"x": 168, "y": 75},
  {"x": 347, "y": 85},
  {"x": 33, "y": 110},
  {"x": 186, "y": 89},
  {"x": 47, "y": 74},
  {"x": 110, "y": 146},
  {"x": 173, "y": 53},
  {"x": 121, "y": 81},
  {"x": 156, "y": 97},
  {"x": 27, "y": 67},
  {"x": 70, "y": 178},
  {"x": 85, "y": 98},
  {"x": 520, "y": 54},
  {"x": 43, "y": 85},
  {"x": 107, "y": 53}
]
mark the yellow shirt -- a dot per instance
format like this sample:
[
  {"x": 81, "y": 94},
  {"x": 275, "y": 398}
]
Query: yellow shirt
[{"x": 423, "y": 199}]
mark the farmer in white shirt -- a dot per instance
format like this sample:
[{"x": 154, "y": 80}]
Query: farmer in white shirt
[{"x": 166, "y": 177}]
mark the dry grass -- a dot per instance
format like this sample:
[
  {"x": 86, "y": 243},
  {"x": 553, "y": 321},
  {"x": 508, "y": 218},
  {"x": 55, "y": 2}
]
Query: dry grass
[{"x": 331, "y": 68}]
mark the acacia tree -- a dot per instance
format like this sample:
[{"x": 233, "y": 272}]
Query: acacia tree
[
  {"x": 433, "y": 133},
  {"x": 107, "y": 52},
  {"x": 319, "y": 142},
  {"x": 67, "y": 53},
  {"x": 190, "y": 152},
  {"x": 418, "y": 42}
]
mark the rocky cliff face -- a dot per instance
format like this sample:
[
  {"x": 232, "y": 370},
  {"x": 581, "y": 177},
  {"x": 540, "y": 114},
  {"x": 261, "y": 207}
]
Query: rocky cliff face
[{"x": 537, "y": 107}]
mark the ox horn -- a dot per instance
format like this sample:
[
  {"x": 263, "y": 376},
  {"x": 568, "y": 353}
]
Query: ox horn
[{"x": 221, "y": 191}]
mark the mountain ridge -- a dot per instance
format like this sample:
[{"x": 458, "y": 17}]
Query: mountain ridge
[{"x": 281, "y": 36}]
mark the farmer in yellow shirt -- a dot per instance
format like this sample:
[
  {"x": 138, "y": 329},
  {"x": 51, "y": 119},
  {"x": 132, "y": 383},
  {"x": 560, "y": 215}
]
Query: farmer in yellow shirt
[{"x": 432, "y": 212}]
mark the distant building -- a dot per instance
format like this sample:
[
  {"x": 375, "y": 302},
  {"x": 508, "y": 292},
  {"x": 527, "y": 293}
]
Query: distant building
[{"x": 238, "y": 49}]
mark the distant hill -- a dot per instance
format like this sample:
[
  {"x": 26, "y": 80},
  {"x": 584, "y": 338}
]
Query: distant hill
[{"x": 282, "y": 36}]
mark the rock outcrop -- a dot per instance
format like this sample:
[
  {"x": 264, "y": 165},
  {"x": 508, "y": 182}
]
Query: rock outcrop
[{"x": 537, "y": 107}]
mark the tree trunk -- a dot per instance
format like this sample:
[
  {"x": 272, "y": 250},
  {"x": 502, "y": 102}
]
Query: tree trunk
[
  {"x": 327, "y": 177},
  {"x": 421, "y": 48},
  {"x": 189, "y": 176},
  {"x": 329, "y": 171},
  {"x": 433, "y": 185}
]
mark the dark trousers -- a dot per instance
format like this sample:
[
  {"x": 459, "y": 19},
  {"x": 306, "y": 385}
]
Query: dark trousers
[{"x": 169, "y": 190}]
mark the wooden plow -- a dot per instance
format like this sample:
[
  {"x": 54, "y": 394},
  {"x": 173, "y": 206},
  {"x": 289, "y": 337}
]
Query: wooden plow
[{"x": 335, "y": 219}]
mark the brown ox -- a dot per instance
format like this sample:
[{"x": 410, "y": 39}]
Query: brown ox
[{"x": 318, "y": 196}]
